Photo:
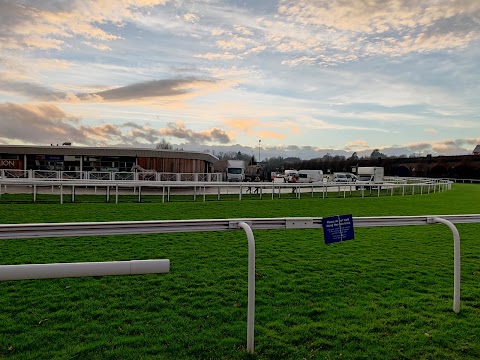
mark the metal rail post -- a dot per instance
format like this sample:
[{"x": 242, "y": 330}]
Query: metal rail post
[
  {"x": 456, "y": 263},
  {"x": 251, "y": 286}
]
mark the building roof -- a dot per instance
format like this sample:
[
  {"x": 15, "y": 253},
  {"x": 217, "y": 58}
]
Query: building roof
[
  {"x": 477, "y": 149},
  {"x": 105, "y": 151}
]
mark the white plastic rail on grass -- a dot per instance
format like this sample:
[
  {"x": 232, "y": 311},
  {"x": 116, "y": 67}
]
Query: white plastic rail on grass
[{"x": 35, "y": 271}]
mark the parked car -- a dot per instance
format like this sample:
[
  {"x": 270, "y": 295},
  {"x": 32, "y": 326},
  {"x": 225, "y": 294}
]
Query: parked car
[{"x": 344, "y": 177}]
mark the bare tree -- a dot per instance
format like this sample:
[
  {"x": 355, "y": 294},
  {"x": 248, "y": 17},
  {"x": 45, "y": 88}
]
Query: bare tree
[{"x": 164, "y": 145}]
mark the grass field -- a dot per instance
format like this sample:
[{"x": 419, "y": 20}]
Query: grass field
[{"x": 385, "y": 295}]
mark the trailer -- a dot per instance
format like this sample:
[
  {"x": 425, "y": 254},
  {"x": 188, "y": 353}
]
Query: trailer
[
  {"x": 235, "y": 170},
  {"x": 368, "y": 175}
]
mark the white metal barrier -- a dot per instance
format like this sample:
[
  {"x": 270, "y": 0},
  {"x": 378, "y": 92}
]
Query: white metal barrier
[
  {"x": 76, "y": 175},
  {"x": 148, "y": 175},
  {"x": 15, "y": 231},
  {"x": 123, "y": 176},
  {"x": 45, "y": 174},
  {"x": 63, "y": 270},
  {"x": 241, "y": 188},
  {"x": 99, "y": 175},
  {"x": 13, "y": 173}
]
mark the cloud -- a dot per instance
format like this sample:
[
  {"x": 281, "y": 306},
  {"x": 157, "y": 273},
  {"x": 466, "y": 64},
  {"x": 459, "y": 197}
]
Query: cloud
[
  {"x": 431, "y": 131},
  {"x": 146, "y": 133},
  {"x": 324, "y": 32},
  {"x": 356, "y": 144},
  {"x": 132, "y": 125},
  {"x": 270, "y": 134},
  {"x": 374, "y": 16},
  {"x": 29, "y": 89},
  {"x": 302, "y": 60},
  {"x": 173, "y": 88},
  {"x": 442, "y": 147},
  {"x": 253, "y": 127},
  {"x": 243, "y": 30},
  {"x": 50, "y": 25},
  {"x": 218, "y": 56},
  {"x": 191, "y": 18},
  {"x": 46, "y": 123},
  {"x": 152, "y": 89},
  {"x": 178, "y": 130},
  {"x": 38, "y": 124},
  {"x": 243, "y": 125},
  {"x": 255, "y": 50},
  {"x": 101, "y": 47},
  {"x": 445, "y": 147}
]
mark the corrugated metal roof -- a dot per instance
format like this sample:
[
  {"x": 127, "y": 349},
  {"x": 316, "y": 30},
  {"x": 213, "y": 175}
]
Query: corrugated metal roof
[{"x": 105, "y": 151}]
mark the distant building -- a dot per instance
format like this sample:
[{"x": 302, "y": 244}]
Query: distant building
[
  {"x": 476, "y": 151},
  {"x": 117, "y": 159}
]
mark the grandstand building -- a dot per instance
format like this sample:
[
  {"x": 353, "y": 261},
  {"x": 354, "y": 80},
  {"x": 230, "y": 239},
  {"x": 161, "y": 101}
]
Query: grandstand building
[{"x": 114, "y": 159}]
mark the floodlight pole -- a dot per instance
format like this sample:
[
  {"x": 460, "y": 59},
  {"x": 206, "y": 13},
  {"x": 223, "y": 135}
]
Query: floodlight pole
[{"x": 259, "y": 141}]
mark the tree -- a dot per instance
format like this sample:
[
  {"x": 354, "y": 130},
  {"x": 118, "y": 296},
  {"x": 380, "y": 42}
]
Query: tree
[
  {"x": 164, "y": 145},
  {"x": 376, "y": 154}
]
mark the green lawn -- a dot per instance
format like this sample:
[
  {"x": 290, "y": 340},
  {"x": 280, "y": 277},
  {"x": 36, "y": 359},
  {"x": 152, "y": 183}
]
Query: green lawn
[{"x": 385, "y": 295}]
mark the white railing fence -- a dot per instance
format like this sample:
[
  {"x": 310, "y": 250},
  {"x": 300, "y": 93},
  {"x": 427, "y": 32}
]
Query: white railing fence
[
  {"x": 124, "y": 176},
  {"x": 14, "y": 174},
  {"x": 148, "y": 175},
  {"x": 166, "y": 188},
  {"x": 45, "y": 174},
  {"x": 16, "y": 231},
  {"x": 99, "y": 175},
  {"x": 75, "y": 175}
]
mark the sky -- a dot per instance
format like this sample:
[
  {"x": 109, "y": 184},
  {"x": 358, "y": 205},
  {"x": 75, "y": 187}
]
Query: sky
[{"x": 290, "y": 78}]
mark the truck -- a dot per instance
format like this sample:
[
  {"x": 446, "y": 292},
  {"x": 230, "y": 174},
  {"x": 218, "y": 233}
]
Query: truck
[
  {"x": 235, "y": 170},
  {"x": 369, "y": 174},
  {"x": 309, "y": 176}
]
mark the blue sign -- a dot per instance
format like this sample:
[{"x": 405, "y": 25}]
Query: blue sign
[
  {"x": 54, "y": 157},
  {"x": 338, "y": 228}
]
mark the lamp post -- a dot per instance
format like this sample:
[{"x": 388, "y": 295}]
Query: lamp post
[{"x": 259, "y": 141}]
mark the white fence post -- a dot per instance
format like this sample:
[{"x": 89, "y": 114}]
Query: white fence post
[
  {"x": 251, "y": 286},
  {"x": 456, "y": 263}
]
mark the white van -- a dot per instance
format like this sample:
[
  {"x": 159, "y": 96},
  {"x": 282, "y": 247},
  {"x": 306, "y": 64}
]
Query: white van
[{"x": 309, "y": 176}]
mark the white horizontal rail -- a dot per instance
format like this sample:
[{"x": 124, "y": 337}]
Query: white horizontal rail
[
  {"x": 106, "y": 175},
  {"x": 17, "y": 231},
  {"x": 63, "y": 270},
  {"x": 238, "y": 188}
]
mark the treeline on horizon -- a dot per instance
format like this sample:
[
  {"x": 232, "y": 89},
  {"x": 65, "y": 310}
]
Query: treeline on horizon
[{"x": 460, "y": 167}]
